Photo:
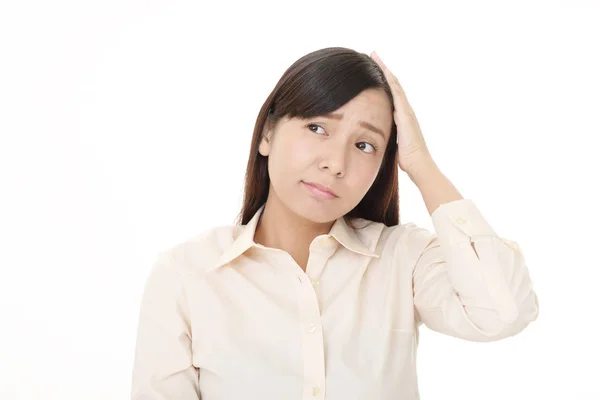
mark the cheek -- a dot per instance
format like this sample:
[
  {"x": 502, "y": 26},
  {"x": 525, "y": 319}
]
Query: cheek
[
  {"x": 294, "y": 155},
  {"x": 363, "y": 175},
  {"x": 288, "y": 161}
]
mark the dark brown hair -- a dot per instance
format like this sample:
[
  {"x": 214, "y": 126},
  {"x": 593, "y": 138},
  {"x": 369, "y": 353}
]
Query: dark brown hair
[{"x": 316, "y": 84}]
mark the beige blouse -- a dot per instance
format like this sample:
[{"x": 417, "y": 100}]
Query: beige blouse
[{"x": 223, "y": 317}]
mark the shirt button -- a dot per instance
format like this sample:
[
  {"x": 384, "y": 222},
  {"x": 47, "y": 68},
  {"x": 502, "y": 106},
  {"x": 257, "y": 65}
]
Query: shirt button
[
  {"x": 315, "y": 284},
  {"x": 316, "y": 390},
  {"x": 461, "y": 221},
  {"x": 312, "y": 328}
]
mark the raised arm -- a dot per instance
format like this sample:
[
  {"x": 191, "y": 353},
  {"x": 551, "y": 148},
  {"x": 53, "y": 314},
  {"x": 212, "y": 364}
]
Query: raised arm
[{"x": 468, "y": 282}]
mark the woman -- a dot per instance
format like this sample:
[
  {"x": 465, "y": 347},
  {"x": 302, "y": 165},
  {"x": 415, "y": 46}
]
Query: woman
[{"x": 319, "y": 291}]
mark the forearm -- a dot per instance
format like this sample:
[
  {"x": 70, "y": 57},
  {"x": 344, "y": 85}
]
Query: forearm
[{"x": 435, "y": 188}]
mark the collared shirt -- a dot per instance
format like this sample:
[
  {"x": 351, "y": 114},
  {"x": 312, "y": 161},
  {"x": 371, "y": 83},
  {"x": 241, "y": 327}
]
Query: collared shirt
[{"x": 223, "y": 317}]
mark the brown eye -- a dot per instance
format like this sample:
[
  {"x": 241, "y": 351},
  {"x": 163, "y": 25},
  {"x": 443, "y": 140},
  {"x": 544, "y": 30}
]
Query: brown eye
[
  {"x": 366, "y": 147},
  {"x": 311, "y": 126}
]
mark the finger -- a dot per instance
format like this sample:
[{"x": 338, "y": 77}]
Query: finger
[
  {"x": 391, "y": 78},
  {"x": 397, "y": 89},
  {"x": 375, "y": 56},
  {"x": 378, "y": 60},
  {"x": 381, "y": 64}
]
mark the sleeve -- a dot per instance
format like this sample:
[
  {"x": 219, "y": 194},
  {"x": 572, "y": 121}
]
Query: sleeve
[
  {"x": 163, "y": 368},
  {"x": 467, "y": 281}
]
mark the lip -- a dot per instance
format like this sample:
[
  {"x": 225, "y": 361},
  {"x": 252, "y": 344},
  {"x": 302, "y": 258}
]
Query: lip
[{"x": 320, "y": 191}]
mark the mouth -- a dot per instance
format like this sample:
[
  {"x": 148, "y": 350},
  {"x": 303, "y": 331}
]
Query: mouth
[{"x": 319, "y": 191}]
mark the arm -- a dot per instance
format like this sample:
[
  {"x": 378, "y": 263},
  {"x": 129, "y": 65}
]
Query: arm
[
  {"x": 163, "y": 368},
  {"x": 468, "y": 282}
]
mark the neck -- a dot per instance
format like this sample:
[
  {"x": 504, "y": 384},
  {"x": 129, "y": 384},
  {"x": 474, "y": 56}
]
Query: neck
[{"x": 281, "y": 228}]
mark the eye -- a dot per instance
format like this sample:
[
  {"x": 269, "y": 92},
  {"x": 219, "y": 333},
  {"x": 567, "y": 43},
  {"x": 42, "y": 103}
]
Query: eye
[
  {"x": 311, "y": 126},
  {"x": 364, "y": 146}
]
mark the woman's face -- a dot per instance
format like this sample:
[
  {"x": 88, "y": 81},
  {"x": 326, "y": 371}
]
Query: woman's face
[{"x": 342, "y": 151}]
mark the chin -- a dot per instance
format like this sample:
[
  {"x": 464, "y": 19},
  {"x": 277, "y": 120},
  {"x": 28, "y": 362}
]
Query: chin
[{"x": 317, "y": 212}]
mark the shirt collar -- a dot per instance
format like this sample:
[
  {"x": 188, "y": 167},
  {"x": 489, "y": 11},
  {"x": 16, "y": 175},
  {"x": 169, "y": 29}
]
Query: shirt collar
[{"x": 341, "y": 231}]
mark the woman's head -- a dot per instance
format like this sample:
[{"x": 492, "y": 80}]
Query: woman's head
[{"x": 329, "y": 122}]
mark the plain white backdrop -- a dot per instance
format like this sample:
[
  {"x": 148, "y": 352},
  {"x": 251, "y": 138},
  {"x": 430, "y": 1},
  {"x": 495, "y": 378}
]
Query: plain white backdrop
[{"x": 125, "y": 128}]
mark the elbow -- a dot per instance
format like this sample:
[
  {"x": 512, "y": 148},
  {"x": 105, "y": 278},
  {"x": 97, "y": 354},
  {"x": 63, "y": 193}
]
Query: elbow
[{"x": 490, "y": 326}]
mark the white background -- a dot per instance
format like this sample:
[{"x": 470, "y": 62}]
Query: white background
[{"x": 125, "y": 128}]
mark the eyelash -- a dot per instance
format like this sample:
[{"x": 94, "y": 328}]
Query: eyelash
[{"x": 375, "y": 147}]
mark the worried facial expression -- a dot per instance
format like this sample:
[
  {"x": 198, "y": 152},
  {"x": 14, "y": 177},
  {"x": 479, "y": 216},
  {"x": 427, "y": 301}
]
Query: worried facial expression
[{"x": 320, "y": 168}]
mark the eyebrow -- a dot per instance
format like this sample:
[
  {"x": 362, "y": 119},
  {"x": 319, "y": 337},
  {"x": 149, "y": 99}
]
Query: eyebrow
[{"x": 364, "y": 124}]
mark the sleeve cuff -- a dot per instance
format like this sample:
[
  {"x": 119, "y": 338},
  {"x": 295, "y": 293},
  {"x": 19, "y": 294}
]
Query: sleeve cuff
[{"x": 458, "y": 218}]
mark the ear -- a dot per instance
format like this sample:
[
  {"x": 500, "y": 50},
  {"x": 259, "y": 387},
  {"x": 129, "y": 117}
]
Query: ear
[{"x": 264, "y": 148}]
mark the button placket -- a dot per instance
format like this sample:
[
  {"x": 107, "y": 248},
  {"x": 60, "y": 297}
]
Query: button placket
[
  {"x": 316, "y": 391},
  {"x": 313, "y": 348},
  {"x": 315, "y": 284},
  {"x": 318, "y": 259}
]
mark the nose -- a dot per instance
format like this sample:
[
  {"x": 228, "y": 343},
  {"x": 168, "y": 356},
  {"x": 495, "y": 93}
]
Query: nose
[{"x": 333, "y": 159}]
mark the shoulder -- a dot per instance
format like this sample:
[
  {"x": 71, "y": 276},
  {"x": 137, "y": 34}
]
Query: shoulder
[
  {"x": 195, "y": 254},
  {"x": 404, "y": 237}
]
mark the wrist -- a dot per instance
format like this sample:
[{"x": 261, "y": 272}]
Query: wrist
[{"x": 423, "y": 170}]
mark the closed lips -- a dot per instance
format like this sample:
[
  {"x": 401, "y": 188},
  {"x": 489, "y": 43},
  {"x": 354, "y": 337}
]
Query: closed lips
[{"x": 322, "y": 188}]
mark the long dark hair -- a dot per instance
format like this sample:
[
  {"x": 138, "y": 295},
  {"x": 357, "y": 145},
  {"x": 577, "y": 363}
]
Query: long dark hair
[{"x": 316, "y": 84}]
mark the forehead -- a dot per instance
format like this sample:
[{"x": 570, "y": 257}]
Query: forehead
[
  {"x": 374, "y": 98},
  {"x": 373, "y": 104},
  {"x": 371, "y": 109}
]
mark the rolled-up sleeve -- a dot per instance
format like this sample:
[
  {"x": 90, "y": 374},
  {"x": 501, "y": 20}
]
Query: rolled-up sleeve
[
  {"x": 163, "y": 368},
  {"x": 467, "y": 281}
]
